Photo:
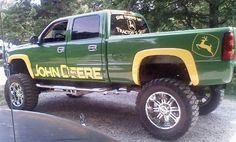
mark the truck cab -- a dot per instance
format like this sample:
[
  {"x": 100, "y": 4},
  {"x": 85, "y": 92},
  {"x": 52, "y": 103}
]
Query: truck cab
[{"x": 78, "y": 47}]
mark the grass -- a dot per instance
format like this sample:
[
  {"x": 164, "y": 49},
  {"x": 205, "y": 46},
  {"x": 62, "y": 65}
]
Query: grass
[
  {"x": 2, "y": 100},
  {"x": 1, "y": 62}
]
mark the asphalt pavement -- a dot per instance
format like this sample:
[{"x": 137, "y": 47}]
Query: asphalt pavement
[
  {"x": 115, "y": 116},
  {"x": 40, "y": 127}
]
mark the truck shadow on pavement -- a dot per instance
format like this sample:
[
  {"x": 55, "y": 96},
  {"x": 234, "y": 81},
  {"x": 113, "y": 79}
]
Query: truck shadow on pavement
[{"x": 115, "y": 116}]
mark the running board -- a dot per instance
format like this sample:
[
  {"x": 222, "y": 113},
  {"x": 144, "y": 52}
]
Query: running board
[{"x": 72, "y": 88}]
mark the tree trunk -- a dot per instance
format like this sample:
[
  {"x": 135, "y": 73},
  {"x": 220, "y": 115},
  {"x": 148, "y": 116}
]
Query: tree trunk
[
  {"x": 131, "y": 3},
  {"x": 213, "y": 14}
]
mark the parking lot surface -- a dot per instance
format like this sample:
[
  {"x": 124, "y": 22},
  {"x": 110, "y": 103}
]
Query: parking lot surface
[{"x": 115, "y": 116}]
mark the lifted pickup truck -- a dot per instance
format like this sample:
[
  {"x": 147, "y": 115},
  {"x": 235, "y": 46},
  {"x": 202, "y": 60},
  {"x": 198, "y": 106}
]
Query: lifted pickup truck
[{"x": 178, "y": 75}]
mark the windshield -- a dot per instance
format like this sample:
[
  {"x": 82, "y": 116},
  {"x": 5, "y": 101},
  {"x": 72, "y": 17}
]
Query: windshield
[{"x": 127, "y": 25}]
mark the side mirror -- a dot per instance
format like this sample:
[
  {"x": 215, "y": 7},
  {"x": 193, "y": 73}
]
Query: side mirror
[{"x": 34, "y": 40}]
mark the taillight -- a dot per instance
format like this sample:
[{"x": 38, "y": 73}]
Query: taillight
[{"x": 228, "y": 46}]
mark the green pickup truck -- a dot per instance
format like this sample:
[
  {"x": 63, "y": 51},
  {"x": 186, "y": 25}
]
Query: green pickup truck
[{"x": 178, "y": 75}]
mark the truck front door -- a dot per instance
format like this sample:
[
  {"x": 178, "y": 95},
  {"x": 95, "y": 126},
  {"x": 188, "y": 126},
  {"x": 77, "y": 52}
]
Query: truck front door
[{"x": 48, "y": 59}]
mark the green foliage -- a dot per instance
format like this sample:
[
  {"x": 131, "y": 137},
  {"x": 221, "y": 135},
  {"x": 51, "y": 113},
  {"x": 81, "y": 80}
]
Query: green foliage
[
  {"x": 182, "y": 14},
  {"x": 1, "y": 62},
  {"x": 24, "y": 19},
  {"x": 17, "y": 23}
]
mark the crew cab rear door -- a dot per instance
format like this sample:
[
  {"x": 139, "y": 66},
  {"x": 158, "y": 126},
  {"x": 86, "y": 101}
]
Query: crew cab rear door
[{"x": 84, "y": 49}]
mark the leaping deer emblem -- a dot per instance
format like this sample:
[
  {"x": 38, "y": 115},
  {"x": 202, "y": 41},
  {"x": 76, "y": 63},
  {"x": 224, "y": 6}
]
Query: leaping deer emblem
[
  {"x": 131, "y": 25},
  {"x": 203, "y": 45}
]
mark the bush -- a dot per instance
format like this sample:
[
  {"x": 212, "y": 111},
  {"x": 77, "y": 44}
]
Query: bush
[{"x": 1, "y": 62}]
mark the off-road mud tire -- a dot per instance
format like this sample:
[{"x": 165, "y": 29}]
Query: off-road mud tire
[
  {"x": 30, "y": 91},
  {"x": 215, "y": 99},
  {"x": 186, "y": 99}
]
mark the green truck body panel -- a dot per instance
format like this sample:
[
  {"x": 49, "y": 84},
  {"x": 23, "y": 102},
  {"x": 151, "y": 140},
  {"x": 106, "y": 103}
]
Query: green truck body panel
[{"x": 115, "y": 54}]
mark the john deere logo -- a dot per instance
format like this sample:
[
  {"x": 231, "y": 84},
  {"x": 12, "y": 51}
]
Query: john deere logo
[{"x": 205, "y": 45}]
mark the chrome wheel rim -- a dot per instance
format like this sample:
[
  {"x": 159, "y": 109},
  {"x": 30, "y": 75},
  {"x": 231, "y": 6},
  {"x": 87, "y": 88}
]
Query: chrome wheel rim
[
  {"x": 162, "y": 110},
  {"x": 204, "y": 100},
  {"x": 204, "y": 97},
  {"x": 17, "y": 94}
]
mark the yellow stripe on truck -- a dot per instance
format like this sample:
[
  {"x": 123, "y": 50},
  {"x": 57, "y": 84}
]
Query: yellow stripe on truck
[
  {"x": 183, "y": 54},
  {"x": 25, "y": 58}
]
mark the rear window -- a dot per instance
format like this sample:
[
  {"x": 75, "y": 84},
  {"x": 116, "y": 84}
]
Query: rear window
[{"x": 127, "y": 25}]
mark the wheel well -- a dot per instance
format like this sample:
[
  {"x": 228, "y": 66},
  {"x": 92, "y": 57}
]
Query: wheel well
[
  {"x": 154, "y": 67},
  {"x": 18, "y": 66}
]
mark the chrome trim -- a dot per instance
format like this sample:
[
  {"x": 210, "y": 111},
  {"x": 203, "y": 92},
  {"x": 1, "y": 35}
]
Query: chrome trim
[
  {"x": 71, "y": 88},
  {"x": 163, "y": 110},
  {"x": 92, "y": 48},
  {"x": 60, "y": 49},
  {"x": 17, "y": 94}
]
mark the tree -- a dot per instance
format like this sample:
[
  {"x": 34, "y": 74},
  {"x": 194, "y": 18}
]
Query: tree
[
  {"x": 17, "y": 23},
  {"x": 181, "y": 14},
  {"x": 24, "y": 19},
  {"x": 50, "y": 10}
]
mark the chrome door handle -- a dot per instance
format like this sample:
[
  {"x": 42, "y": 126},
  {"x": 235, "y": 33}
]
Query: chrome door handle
[
  {"x": 60, "y": 49},
  {"x": 92, "y": 48}
]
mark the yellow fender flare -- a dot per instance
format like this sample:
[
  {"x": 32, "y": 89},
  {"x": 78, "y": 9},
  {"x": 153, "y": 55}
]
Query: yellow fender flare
[
  {"x": 183, "y": 54},
  {"x": 25, "y": 58}
]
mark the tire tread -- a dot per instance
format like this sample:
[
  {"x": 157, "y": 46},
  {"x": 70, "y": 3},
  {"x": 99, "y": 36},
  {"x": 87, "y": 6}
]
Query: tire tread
[
  {"x": 30, "y": 91},
  {"x": 188, "y": 96}
]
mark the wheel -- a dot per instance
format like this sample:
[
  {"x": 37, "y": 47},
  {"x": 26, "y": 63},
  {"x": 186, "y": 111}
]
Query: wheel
[
  {"x": 209, "y": 99},
  {"x": 167, "y": 108},
  {"x": 21, "y": 92}
]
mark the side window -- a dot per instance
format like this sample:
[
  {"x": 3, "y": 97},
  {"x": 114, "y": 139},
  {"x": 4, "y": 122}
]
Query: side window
[
  {"x": 86, "y": 27},
  {"x": 127, "y": 25},
  {"x": 56, "y": 33}
]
